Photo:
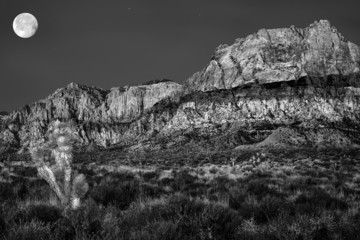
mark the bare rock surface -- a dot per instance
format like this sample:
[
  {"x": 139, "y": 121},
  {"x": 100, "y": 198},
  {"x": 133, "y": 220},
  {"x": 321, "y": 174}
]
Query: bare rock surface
[
  {"x": 279, "y": 87},
  {"x": 100, "y": 115},
  {"x": 279, "y": 55}
]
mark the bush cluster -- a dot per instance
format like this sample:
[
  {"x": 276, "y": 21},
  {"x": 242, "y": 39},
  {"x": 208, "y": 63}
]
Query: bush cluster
[{"x": 180, "y": 204}]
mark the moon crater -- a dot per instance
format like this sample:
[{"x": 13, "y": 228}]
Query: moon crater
[{"x": 25, "y": 25}]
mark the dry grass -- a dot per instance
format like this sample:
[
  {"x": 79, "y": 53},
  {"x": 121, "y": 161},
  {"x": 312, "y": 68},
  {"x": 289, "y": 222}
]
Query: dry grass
[{"x": 297, "y": 194}]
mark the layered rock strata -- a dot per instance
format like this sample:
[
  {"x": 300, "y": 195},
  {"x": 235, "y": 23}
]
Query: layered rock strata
[
  {"x": 279, "y": 55},
  {"x": 306, "y": 80}
]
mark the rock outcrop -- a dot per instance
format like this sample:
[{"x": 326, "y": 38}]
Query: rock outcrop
[
  {"x": 287, "y": 86},
  {"x": 279, "y": 55},
  {"x": 100, "y": 115}
]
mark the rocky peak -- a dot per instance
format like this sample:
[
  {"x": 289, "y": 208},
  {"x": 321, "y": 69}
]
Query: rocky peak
[
  {"x": 155, "y": 81},
  {"x": 278, "y": 55},
  {"x": 86, "y": 105},
  {"x": 75, "y": 88},
  {"x": 288, "y": 85},
  {"x": 127, "y": 104},
  {"x": 72, "y": 85}
]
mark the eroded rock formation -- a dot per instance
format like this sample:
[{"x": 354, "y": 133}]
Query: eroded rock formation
[
  {"x": 279, "y": 55},
  {"x": 101, "y": 115},
  {"x": 304, "y": 80}
]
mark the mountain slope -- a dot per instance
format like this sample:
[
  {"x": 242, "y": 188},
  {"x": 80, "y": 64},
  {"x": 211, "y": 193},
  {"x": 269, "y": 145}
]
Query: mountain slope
[
  {"x": 277, "y": 87},
  {"x": 279, "y": 55}
]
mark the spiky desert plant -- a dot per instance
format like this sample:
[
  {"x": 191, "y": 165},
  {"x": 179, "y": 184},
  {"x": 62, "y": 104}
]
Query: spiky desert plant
[
  {"x": 67, "y": 185},
  {"x": 233, "y": 160}
]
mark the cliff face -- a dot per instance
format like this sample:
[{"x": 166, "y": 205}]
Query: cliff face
[
  {"x": 282, "y": 86},
  {"x": 91, "y": 104},
  {"x": 100, "y": 115},
  {"x": 279, "y": 55}
]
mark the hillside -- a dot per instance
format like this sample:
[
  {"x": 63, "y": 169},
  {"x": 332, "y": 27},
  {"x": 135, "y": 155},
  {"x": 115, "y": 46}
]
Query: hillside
[{"x": 277, "y": 87}]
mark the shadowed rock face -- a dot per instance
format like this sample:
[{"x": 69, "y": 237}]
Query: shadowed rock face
[{"x": 306, "y": 80}]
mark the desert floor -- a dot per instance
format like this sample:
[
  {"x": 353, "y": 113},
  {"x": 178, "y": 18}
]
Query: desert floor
[{"x": 194, "y": 194}]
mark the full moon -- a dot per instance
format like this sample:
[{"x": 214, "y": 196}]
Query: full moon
[{"x": 25, "y": 25}]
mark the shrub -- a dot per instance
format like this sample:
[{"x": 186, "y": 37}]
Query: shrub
[
  {"x": 237, "y": 196},
  {"x": 21, "y": 190},
  {"x": 183, "y": 205},
  {"x": 38, "y": 188},
  {"x": 63, "y": 229},
  {"x": 121, "y": 195},
  {"x": 33, "y": 230},
  {"x": 115, "y": 177},
  {"x": 347, "y": 227},
  {"x": 271, "y": 207},
  {"x": 261, "y": 210},
  {"x": 166, "y": 230},
  {"x": 321, "y": 233},
  {"x": 2, "y": 223},
  {"x": 86, "y": 219},
  {"x": 316, "y": 200},
  {"x": 25, "y": 171},
  {"x": 94, "y": 228},
  {"x": 195, "y": 189},
  {"x": 197, "y": 219},
  {"x": 150, "y": 190},
  {"x": 259, "y": 187},
  {"x": 6, "y": 191},
  {"x": 182, "y": 179},
  {"x": 42, "y": 213},
  {"x": 222, "y": 221},
  {"x": 203, "y": 221},
  {"x": 147, "y": 176},
  {"x": 222, "y": 184}
]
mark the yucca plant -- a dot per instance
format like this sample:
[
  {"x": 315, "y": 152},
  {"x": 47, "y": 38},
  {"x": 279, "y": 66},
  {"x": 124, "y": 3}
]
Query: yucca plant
[{"x": 54, "y": 164}]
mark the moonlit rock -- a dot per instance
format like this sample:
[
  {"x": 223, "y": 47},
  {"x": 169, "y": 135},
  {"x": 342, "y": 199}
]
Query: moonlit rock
[
  {"x": 279, "y": 55},
  {"x": 258, "y": 88}
]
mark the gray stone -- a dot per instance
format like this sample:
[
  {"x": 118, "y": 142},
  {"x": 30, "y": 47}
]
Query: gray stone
[{"x": 304, "y": 81}]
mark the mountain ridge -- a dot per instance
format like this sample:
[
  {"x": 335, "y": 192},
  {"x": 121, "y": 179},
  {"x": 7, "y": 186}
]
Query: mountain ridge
[
  {"x": 283, "y": 54},
  {"x": 236, "y": 100}
]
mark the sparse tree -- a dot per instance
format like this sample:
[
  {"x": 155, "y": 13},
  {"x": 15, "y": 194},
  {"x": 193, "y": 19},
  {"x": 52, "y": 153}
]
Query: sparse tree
[{"x": 54, "y": 164}]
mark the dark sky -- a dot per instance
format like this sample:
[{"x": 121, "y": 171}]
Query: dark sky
[{"x": 108, "y": 43}]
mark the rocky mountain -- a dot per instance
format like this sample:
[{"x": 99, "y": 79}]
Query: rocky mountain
[
  {"x": 278, "y": 87},
  {"x": 280, "y": 55}
]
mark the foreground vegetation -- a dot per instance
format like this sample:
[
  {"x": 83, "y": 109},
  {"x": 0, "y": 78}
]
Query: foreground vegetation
[{"x": 298, "y": 194}]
